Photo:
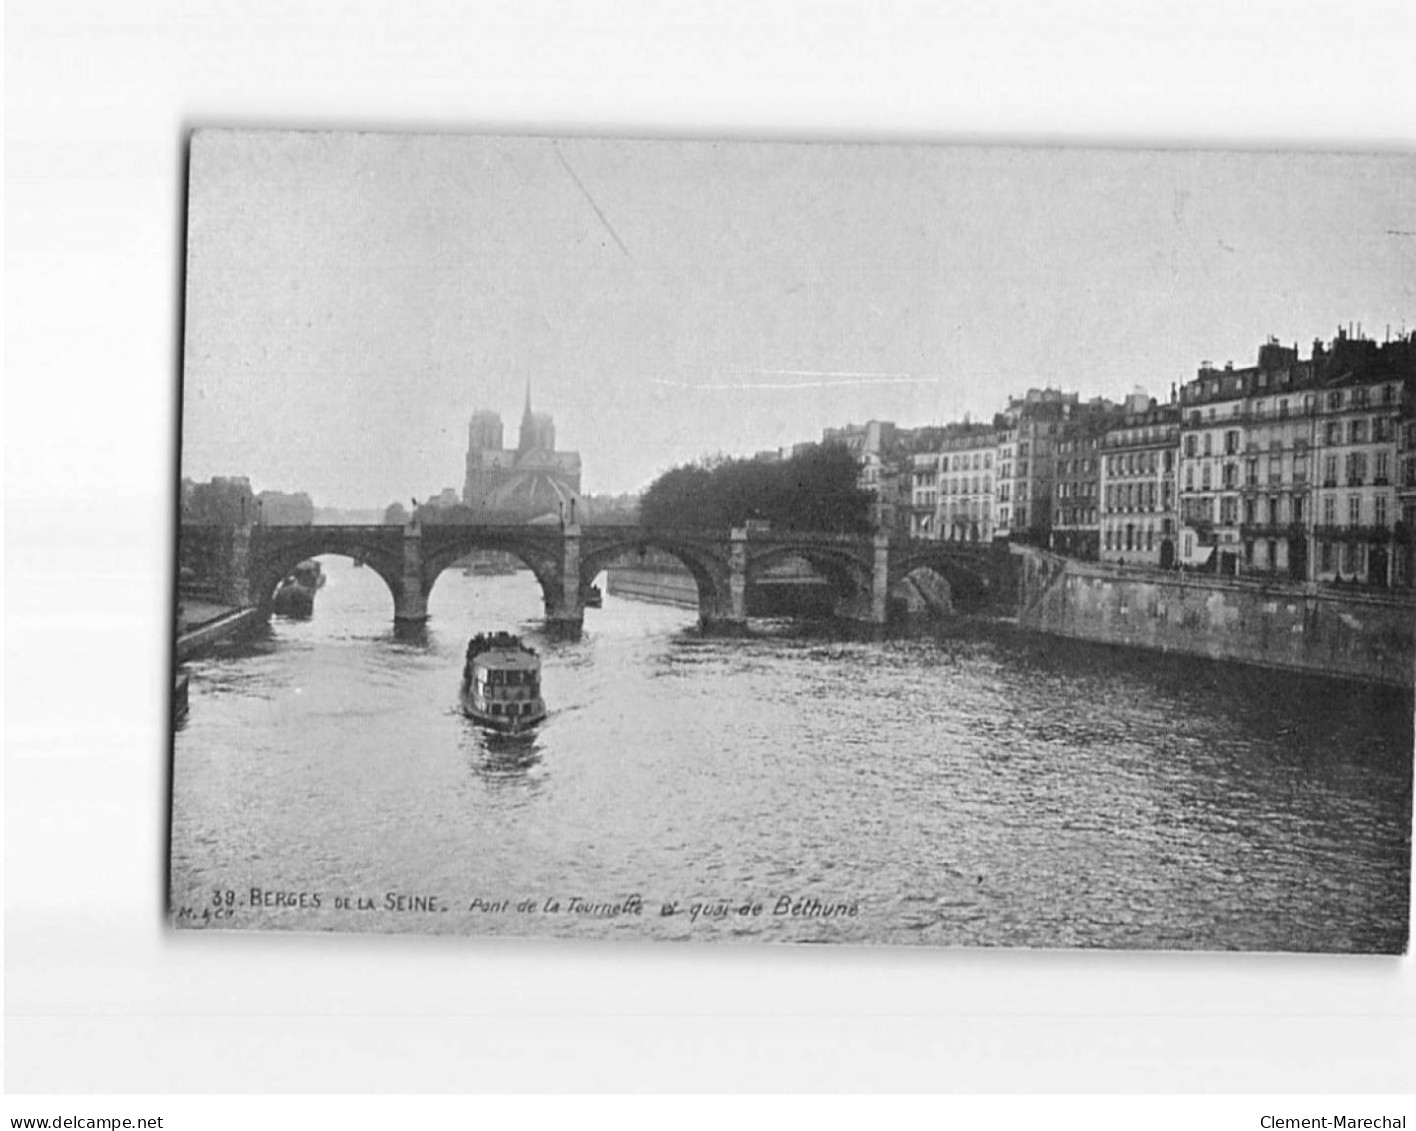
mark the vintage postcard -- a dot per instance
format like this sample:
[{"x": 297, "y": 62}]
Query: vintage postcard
[{"x": 765, "y": 542}]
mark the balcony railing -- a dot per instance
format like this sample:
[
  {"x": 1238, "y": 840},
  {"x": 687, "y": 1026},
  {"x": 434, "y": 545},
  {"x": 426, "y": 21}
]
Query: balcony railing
[
  {"x": 1272, "y": 530},
  {"x": 1353, "y": 533}
]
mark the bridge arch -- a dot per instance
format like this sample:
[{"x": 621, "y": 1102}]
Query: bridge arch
[
  {"x": 451, "y": 543},
  {"x": 970, "y": 573},
  {"x": 709, "y": 565},
  {"x": 848, "y": 570},
  {"x": 271, "y": 560}
]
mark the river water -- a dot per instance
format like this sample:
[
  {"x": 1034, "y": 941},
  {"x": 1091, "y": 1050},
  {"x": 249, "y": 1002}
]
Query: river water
[{"x": 977, "y": 788}]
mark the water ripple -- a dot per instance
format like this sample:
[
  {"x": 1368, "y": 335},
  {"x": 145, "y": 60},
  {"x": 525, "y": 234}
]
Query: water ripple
[{"x": 980, "y": 788}]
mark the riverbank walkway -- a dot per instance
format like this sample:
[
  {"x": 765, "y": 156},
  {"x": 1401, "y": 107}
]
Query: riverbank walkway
[{"x": 201, "y": 623}]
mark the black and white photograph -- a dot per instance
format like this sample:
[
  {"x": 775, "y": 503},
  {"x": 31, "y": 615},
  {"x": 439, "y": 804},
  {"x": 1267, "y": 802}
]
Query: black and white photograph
[{"x": 736, "y": 541}]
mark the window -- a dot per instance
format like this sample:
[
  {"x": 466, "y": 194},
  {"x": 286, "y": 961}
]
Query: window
[
  {"x": 1356, "y": 469},
  {"x": 1354, "y": 510},
  {"x": 1335, "y": 400},
  {"x": 1332, "y": 434},
  {"x": 1379, "y": 514},
  {"x": 1228, "y": 511},
  {"x": 1209, "y": 443},
  {"x": 1329, "y": 471},
  {"x": 1248, "y": 512},
  {"x": 1251, "y": 472},
  {"x": 1357, "y": 432},
  {"x": 1190, "y": 446},
  {"x": 1283, "y": 409},
  {"x": 1231, "y": 443},
  {"x": 1205, "y": 477},
  {"x": 1329, "y": 510},
  {"x": 1190, "y": 475}
]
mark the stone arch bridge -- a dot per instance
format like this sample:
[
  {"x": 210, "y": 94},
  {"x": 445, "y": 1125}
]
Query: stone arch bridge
[{"x": 247, "y": 564}]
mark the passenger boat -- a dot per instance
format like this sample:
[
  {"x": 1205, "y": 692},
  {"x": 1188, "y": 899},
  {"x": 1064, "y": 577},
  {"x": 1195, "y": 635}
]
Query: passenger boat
[
  {"x": 593, "y": 598},
  {"x": 296, "y": 595},
  {"x": 501, "y": 683}
]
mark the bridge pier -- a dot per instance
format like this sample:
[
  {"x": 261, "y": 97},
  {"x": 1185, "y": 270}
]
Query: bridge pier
[
  {"x": 234, "y": 584},
  {"x": 410, "y": 603},
  {"x": 727, "y": 615},
  {"x": 869, "y": 611},
  {"x": 565, "y": 611}
]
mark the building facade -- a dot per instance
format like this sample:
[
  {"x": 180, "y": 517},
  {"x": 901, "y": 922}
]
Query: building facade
[
  {"x": 1289, "y": 468},
  {"x": 1076, "y": 500},
  {"x": 1246, "y": 461},
  {"x": 881, "y": 476},
  {"x": 1404, "y": 565},
  {"x": 519, "y": 484},
  {"x": 966, "y": 493},
  {"x": 1139, "y": 501},
  {"x": 923, "y": 513},
  {"x": 1359, "y": 424},
  {"x": 1024, "y": 480}
]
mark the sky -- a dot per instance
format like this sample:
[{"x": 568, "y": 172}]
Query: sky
[{"x": 352, "y": 298}]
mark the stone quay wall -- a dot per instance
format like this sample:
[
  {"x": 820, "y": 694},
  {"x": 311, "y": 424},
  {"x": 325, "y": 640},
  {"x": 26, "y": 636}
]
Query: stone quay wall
[
  {"x": 662, "y": 586},
  {"x": 1361, "y": 635}
]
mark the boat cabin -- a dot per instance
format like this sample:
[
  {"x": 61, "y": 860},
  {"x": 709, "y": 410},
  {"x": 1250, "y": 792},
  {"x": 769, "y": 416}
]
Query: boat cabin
[{"x": 502, "y": 683}]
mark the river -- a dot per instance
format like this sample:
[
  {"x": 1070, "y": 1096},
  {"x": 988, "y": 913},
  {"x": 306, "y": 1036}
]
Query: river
[{"x": 975, "y": 788}]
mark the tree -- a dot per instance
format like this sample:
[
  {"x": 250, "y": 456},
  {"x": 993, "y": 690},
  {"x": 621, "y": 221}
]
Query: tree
[
  {"x": 815, "y": 490},
  {"x": 396, "y": 515}
]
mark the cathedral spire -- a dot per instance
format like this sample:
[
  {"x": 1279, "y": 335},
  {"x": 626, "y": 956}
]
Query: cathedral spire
[{"x": 528, "y": 424}]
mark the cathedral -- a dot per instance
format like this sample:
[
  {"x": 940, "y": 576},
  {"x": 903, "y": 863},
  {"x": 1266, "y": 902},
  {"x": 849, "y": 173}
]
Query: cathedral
[{"x": 523, "y": 484}]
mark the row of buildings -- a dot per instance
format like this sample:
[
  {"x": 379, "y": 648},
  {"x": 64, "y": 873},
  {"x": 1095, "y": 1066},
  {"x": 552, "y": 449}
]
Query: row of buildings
[{"x": 1301, "y": 468}]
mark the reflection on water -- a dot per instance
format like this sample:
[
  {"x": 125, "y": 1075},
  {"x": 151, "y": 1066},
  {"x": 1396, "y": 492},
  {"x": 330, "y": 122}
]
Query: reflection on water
[{"x": 976, "y": 788}]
